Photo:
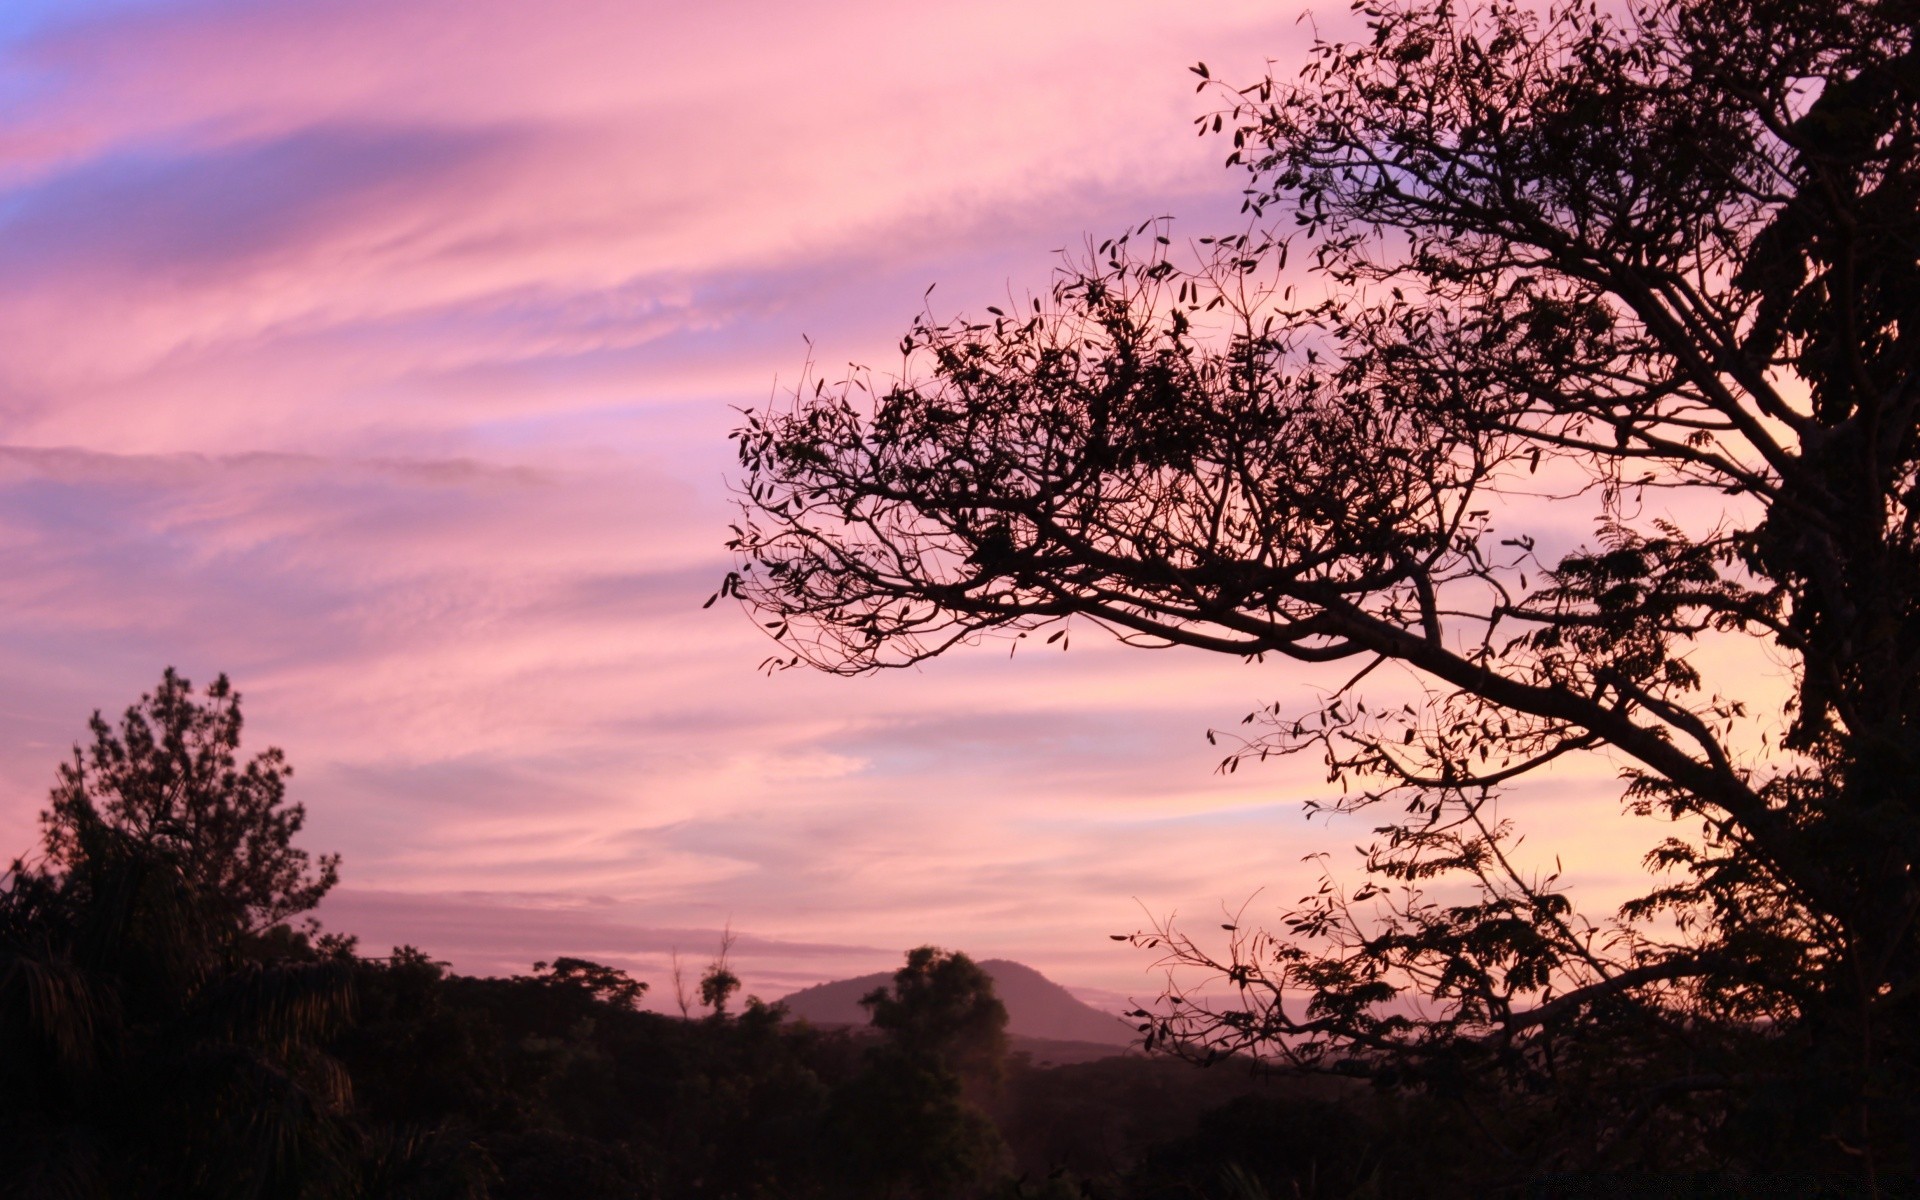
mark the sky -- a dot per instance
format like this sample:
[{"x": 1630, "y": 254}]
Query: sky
[{"x": 382, "y": 354}]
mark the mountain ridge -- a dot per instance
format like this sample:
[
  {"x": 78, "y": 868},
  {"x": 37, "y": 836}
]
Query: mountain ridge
[{"x": 1037, "y": 1007}]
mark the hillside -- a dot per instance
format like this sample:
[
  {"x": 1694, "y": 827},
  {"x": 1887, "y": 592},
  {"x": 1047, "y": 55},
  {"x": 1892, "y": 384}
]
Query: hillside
[{"x": 1037, "y": 1008}]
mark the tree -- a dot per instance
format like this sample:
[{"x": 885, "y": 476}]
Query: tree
[
  {"x": 169, "y": 779},
  {"x": 906, "y": 1123},
  {"x": 590, "y": 981},
  {"x": 1660, "y": 263},
  {"x": 151, "y": 1042},
  {"x": 718, "y": 983},
  {"x": 942, "y": 1008}
]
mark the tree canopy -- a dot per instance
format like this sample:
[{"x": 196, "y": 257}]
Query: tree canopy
[
  {"x": 169, "y": 779},
  {"x": 1500, "y": 262},
  {"x": 942, "y": 1007},
  {"x": 154, "y": 1044},
  {"x": 156, "y": 1038},
  {"x": 914, "y": 1122}
]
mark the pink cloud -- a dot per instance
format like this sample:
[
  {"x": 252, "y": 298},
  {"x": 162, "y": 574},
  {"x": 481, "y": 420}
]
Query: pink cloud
[
  {"x": 246, "y": 177},
  {"x": 383, "y": 355}
]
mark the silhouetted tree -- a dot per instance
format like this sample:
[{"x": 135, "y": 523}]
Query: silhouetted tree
[
  {"x": 169, "y": 780},
  {"x": 717, "y": 986},
  {"x": 1660, "y": 261},
  {"x": 147, "y": 1047},
  {"x": 941, "y": 1007},
  {"x": 157, "y": 1041},
  {"x": 568, "y": 1092},
  {"x": 905, "y": 1125},
  {"x": 718, "y": 983},
  {"x": 592, "y": 980}
]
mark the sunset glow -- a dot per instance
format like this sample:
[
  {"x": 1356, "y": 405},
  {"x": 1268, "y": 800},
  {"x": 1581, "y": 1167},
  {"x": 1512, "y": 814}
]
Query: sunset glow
[{"x": 383, "y": 357}]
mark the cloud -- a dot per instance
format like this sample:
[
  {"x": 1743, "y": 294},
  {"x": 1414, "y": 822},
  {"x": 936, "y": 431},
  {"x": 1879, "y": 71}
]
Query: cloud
[
  {"x": 506, "y": 933},
  {"x": 383, "y": 355},
  {"x": 237, "y": 172},
  {"x": 187, "y": 214}
]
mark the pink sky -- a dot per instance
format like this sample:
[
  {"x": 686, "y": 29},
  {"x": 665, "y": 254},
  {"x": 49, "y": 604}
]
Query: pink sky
[{"x": 381, "y": 355}]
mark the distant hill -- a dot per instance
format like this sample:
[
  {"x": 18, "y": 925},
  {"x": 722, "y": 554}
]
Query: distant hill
[{"x": 1038, "y": 1009}]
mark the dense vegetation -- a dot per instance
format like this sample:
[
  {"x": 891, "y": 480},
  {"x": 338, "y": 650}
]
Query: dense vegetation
[{"x": 172, "y": 1024}]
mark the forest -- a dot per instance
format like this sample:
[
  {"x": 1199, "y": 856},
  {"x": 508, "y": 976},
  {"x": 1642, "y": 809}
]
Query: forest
[{"x": 173, "y": 1024}]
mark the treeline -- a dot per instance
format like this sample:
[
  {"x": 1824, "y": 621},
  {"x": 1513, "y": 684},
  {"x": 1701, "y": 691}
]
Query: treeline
[
  {"x": 537, "y": 1087},
  {"x": 170, "y": 1025}
]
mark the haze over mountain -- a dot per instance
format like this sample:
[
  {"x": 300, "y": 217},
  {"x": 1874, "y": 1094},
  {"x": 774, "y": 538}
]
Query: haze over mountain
[{"x": 1037, "y": 1007}]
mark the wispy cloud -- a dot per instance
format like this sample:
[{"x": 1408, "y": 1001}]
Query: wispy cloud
[{"x": 383, "y": 355}]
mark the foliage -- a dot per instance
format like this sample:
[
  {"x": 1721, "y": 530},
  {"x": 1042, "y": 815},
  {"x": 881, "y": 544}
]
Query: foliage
[
  {"x": 1284, "y": 1145},
  {"x": 718, "y": 983},
  {"x": 607, "y": 985},
  {"x": 156, "y": 1040},
  {"x": 1096, "y": 1121},
  {"x": 568, "y": 1094},
  {"x": 941, "y": 1008},
  {"x": 149, "y": 1047},
  {"x": 169, "y": 780},
  {"x": 717, "y": 986},
  {"x": 155, "y": 1043},
  {"x": 912, "y": 1123},
  {"x": 903, "y": 1128},
  {"x": 1661, "y": 263}
]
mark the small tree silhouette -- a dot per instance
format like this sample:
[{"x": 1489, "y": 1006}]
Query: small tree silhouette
[{"x": 718, "y": 983}]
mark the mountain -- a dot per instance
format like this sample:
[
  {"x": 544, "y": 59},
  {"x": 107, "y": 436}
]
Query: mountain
[{"x": 1037, "y": 1008}]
